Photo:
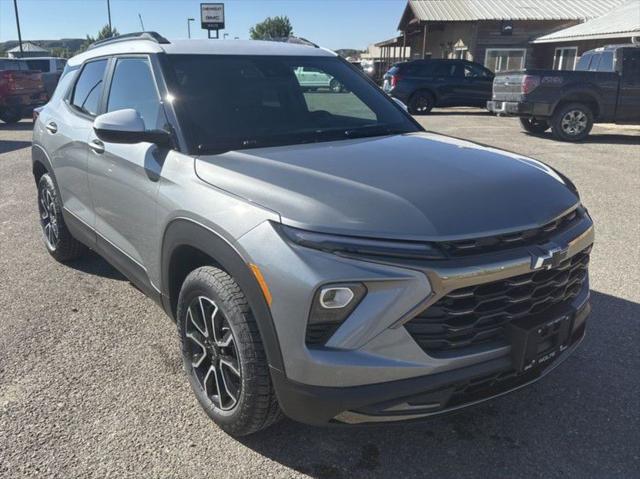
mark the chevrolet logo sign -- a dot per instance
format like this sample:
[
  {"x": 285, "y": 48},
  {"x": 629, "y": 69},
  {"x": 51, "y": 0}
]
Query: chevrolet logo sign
[{"x": 548, "y": 256}]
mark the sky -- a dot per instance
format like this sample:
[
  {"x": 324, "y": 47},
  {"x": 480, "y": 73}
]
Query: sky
[{"x": 330, "y": 23}]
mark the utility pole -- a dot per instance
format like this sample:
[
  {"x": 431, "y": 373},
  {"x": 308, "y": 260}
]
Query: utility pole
[
  {"x": 189, "y": 20},
  {"x": 15, "y": 6},
  {"x": 109, "y": 14}
]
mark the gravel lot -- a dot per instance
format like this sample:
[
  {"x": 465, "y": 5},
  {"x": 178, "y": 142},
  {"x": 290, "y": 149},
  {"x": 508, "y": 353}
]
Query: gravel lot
[{"x": 91, "y": 382}]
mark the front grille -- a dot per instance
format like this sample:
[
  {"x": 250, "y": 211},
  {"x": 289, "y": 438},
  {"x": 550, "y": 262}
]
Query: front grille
[
  {"x": 478, "y": 314},
  {"x": 522, "y": 238}
]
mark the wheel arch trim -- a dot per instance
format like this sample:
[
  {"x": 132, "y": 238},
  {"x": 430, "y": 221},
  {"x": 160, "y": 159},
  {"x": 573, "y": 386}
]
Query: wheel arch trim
[{"x": 183, "y": 231}]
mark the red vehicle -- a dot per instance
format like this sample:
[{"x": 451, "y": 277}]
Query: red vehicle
[{"x": 21, "y": 90}]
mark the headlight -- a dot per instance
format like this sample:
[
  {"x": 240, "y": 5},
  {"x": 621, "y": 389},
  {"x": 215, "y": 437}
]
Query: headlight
[{"x": 362, "y": 246}]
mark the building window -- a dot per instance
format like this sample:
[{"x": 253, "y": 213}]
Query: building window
[
  {"x": 565, "y": 58},
  {"x": 460, "y": 53},
  {"x": 505, "y": 59}
]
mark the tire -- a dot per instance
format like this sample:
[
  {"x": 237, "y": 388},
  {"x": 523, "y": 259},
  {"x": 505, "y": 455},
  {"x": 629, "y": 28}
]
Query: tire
[
  {"x": 421, "y": 103},
  {"x": 534, "y": 125},
  {"x": 572, "y": 122},
  {"x": 10, "y": 116},
  {"x": 223, "y": 354},
  {"x": 57, "y": 238},
  {"x": 335, "y": 86}
]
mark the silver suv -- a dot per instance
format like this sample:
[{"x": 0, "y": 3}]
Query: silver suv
[{"x": 323, "y": 256}]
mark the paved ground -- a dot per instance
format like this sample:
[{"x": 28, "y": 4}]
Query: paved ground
[{"x": 91, "y": 383}]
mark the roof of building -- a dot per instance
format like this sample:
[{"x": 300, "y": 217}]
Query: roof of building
[
  {"x": 474, "y": 10},
  {"x": 202, "y": 47},
  {"x": 622, "y": 21},
  {"x": 27, "y": 47}
]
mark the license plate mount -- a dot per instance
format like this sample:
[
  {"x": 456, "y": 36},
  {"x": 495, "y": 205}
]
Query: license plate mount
[{"x": 536, "y": 341}]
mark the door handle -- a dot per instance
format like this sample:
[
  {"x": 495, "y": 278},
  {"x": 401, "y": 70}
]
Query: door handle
[
  {"x": 97, "y": 146},
  {"x": 52, "y": 127}
]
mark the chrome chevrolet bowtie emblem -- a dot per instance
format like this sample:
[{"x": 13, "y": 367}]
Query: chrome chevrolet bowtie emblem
[{"x": 547, "y": 257}]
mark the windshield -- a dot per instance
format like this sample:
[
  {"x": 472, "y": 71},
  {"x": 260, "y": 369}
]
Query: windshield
[{"x": 238, "y": 102}]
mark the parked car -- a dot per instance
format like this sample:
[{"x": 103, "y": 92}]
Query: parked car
[
  {"x": 311, "y": 78},
  {"x": 51, "y": 68},
  {"x": 21, "y": 90},
  {"x": 424, "y": 84},
  {"x": 604, "y": 88},
  {"x": 335, "y": 263}
]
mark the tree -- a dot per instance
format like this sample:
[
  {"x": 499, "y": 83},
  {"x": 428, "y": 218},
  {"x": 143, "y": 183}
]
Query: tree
[
  {"x": 271, "y": 28},
  {"x": 105, "y": 32}
]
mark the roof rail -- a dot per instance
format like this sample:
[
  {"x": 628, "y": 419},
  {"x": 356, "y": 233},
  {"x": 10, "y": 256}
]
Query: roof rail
[
  {"x": 152, "y": 36},
  {"x": 292, "y": 39}
]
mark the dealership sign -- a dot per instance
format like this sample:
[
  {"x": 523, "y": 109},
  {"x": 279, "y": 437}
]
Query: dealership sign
[{"x": 212, "y": 16}]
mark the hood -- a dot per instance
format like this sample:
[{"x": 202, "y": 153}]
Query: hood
[{"x": 414, "y": 186}]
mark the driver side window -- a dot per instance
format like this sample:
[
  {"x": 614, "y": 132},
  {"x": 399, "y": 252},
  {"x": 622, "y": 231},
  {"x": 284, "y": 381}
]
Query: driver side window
[{"x": 133, "y": 86}]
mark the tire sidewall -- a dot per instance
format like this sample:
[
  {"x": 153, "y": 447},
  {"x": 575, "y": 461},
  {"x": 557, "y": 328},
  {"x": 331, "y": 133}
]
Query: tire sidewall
[
  {"x": 47, "y": 182},
  {"x": 557, "y": 130},
  {"x": 195, "y": 286},
  {"x": 417, "y": 96}
]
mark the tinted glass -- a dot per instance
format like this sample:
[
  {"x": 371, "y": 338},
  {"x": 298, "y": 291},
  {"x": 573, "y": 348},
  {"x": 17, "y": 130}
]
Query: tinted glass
[
  {"x": 60, "y": 63},
  {"x": 10, "y": 64},
  {"x": 133, "y": 86},
  {"x": 475, "y": 71},
  {"x": 631, "y": 66},
  {"x": 88, "y": 89},
  {"x": 66, "y": 79},
  {"x": 445, "y": 70},
  {"x": 606, "y": 62},
  {"x": 42, "y": 65},
  {"x": 595, "y": 61},
  {"x": 236, "y": 102},
  {"x": 584, "y": 62}
]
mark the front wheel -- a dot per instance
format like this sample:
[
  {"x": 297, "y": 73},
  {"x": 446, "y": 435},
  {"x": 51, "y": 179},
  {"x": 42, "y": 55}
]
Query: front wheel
[
  {"x": 534, "y": 125},
  {"x": 572, "y": 122},
  {"x": 223, "y": 354}
]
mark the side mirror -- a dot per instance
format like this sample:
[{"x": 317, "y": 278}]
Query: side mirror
[
  {"x": 399, "y": 102},
  {"x": 127, "y": 126}
]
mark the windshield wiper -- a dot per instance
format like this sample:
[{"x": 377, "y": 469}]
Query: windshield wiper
[{"x": 373, "y": 130}]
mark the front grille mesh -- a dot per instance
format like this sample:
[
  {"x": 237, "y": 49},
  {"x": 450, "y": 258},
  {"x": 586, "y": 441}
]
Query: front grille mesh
[
  {"x": 513, "y": 240},
  {"x": 478, "y": 314}
]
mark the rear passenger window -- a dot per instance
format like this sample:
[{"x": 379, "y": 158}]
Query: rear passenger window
[
  {"x": 606, "y": 62},
  {"x": 88, "y": 89},
  {"x": 445, "y": 70},
  {"x": 133, "y": 86}
]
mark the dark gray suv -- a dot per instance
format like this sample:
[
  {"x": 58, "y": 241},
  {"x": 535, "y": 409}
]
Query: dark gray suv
[{"x": 323, "y": 256}]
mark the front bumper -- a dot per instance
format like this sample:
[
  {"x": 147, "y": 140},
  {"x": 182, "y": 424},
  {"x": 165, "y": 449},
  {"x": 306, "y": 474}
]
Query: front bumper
[
  {"x": 372, "y": 367},
  {"x": 415, "y": 398},
  {"x": 520, "y": 108}
]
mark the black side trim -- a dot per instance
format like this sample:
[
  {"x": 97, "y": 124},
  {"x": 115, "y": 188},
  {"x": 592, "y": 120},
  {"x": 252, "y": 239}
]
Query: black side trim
[
  {"x": 185, "y": 232},
  {"x": 114, "y": 256}
]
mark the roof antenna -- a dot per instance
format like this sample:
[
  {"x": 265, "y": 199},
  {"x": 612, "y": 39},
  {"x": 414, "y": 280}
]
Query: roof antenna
[{"x": 141, "y": 24}]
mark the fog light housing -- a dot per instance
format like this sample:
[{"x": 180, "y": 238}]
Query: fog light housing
[
  {"x": 332, "y": 304},
  {"x": 336, "y": 297}
]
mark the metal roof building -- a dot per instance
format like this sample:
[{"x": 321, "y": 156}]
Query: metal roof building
[
  {"x": 29, "y": 50},
  {"x": 478, "y": 10},
  {"x": 623, "y": 21}
]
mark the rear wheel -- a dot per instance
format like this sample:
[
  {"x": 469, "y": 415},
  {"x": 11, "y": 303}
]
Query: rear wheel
[
  {"x": 57, "y": 238},
  {"x": 10, "y": 116},
  {"x": 572, "y": 122},
  {"x": 223, "y": 354},
  {"x": 421, "y": 103},
  {"x": 534, "y": 125}
]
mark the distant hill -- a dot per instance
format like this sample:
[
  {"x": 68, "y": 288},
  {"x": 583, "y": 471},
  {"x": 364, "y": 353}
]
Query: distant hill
[
  {"x": 64, "y": 47},
  {"x": 348, "y": 52}
]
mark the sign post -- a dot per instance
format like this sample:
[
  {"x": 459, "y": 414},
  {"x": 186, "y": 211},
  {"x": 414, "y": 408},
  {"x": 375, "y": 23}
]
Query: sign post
[{"x": 212, "y": 18}]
